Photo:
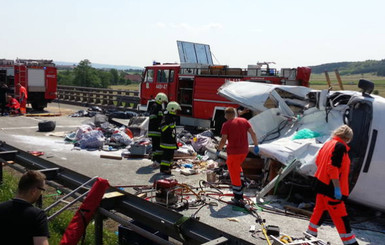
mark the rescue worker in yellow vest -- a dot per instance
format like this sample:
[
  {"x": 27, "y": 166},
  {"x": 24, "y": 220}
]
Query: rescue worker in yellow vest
[
  {"x": 168, "y": 136},
  {"x": 332, "y": 185},
  {"x": 156, "y": 115}
]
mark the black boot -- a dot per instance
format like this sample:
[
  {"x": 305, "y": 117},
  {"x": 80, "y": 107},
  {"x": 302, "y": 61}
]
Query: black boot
[{"x": 165, "y": 169}]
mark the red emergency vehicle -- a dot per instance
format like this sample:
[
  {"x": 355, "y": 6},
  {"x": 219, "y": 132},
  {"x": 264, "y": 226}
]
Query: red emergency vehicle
[
  {"x": 194, "y": 87},
  {"x": 39, "y": 77}
]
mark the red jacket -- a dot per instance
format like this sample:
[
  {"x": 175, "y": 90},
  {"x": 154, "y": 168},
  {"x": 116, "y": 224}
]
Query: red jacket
[
  {"x": 13, "y": 104},
  {"x": 22, "y": 91},
  {"x": 333, "y": 162}
]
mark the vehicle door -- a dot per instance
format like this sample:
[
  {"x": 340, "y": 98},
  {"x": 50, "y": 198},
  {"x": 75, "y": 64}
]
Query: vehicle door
[
  {"x": 147, "y": 87},
  {"x": 50, "y": 83},
  {"x": 165, "y": 82}
]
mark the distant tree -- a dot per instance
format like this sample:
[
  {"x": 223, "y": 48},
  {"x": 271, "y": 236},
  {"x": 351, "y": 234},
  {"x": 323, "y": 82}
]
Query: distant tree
[
  {"x": 381, "y": 72},
  {"x": 348, "y": 68},
  {"x": 106, "y": 78},
  {"x": 65, "y": 78},
  {"x": 115, "y": 76},
  {"x": 86, "y": 76}
]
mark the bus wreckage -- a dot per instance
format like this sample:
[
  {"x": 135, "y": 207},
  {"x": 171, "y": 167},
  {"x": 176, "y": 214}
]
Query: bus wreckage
[{"x": 293, "y": 123}]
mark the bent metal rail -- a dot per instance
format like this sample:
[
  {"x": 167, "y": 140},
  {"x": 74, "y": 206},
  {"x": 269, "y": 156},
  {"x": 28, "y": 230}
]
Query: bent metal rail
[
  {"x": 85, "y": 96},
  {"x": 153, "y": 215}
]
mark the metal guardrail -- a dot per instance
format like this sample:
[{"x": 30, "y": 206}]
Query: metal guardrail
[
  {"x": 123, "y": 99},
  {"x": 167, "y": 221}
]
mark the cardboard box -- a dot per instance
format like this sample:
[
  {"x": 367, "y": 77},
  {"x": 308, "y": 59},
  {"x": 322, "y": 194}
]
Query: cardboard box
[{"x": 138, "y": 150}]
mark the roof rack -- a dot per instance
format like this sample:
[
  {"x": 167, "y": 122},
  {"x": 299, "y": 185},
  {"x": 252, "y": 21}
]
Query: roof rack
[
  {"x": 33, "y": 62},
  {"x": 6, "y": 62}
]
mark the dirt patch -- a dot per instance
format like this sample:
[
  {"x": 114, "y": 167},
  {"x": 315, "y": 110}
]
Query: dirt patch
[{"x": 60, "y": 110}]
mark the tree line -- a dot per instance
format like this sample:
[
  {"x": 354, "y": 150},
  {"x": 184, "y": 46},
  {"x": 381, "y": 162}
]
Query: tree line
[
  {"x": 349, "y": 68},
  {"x": 85, "y": 75}
]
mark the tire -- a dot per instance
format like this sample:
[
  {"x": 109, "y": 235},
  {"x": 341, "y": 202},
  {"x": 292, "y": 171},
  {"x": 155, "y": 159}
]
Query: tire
[{"x": 47, "y": 126}]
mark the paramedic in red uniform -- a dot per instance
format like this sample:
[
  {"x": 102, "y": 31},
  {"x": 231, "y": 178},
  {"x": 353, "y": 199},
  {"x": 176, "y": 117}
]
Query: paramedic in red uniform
[
  {"x": 235, "y": 130},
  {"x": 332, "y": 185},
  {"x": 23, "y": 96},
  {"x": 13, "y": 105}
]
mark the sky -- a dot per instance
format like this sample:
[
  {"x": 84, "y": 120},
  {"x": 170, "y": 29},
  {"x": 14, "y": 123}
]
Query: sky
[{"x": 290, "y": 33}]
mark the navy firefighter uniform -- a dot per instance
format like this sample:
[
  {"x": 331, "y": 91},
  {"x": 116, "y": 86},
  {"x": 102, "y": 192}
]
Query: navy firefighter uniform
[
  {"x": 156, "y": 115},
  {"x": 168, "y": 137}
]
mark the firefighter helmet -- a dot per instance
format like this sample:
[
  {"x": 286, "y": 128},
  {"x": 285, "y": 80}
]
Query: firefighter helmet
[
  {"x": 161, "y": 97},
  {"x": 173, "y": 106}
]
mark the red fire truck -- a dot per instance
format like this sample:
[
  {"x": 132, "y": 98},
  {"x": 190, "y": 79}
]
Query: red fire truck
[
  {"x": 194, "y": 87},
  {"x": 39, "y": 77}
]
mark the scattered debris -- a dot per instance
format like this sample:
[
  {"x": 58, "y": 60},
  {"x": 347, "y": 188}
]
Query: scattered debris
[
  {"x": 188, "y": 171},
  {"x": 233, "y": 219},
  {"x": 298, "y": 210},
  {"x": 111, "y": 157},
  {"x": 36, "y": 153}
]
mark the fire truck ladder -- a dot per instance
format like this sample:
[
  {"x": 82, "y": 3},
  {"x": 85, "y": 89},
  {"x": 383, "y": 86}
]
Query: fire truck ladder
[{"x": 69, "y": 203}]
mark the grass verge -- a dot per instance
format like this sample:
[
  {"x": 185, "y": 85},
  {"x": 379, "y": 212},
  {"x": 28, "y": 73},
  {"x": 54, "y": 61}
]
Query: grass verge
[{"x": 58, "y": 224}]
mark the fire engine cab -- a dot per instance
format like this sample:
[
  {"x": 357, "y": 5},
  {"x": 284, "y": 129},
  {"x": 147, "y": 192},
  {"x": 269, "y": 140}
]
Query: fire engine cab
[
  {"x": 39, "y": 77},
  {"x": 194, "y": 83}
]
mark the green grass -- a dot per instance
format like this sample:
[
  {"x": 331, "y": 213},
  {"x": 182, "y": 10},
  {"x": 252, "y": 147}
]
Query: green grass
[
  {"x": 58, "y": 224},
  {"x": 320, "y": 78},
  {"x": 9, "y": 186},
  {"x": 317, "y": 81},
  {"x": 134, "y": 87},
  {"x": 350, "y": 82}
]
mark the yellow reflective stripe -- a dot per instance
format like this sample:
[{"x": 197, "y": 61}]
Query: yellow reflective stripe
[
  {"x": 166, "y": 126},
  {"x": 154, "y": 133},
  {"x": 171, "y": 147},
  {"x": 164, "y": 163}
]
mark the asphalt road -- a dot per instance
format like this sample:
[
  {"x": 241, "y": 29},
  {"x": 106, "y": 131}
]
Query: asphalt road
[{"x": 22, "y": 132}]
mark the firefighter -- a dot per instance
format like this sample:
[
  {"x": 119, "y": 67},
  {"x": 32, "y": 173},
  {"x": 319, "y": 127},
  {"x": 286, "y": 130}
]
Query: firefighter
[
  {"x": 168, "y": 136},
  {"x": 156, "y": 115},
  {"x": 235, "y": 131},
  {"x": 23, "y": 96},
  {"x": 332, "y": 185}
]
